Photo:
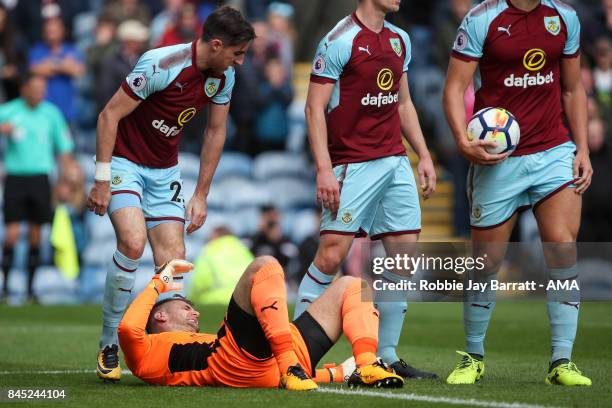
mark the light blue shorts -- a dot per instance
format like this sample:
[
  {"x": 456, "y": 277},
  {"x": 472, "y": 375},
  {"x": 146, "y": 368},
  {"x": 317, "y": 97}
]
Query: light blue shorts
[
  {"x": 497, "y": 192},
  {"x": 159, "y": 192},
  {"x": 377, "y": 198}
]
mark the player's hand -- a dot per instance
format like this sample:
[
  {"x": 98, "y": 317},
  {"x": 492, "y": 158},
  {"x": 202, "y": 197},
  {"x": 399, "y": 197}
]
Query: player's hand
[
  {"x": 475, "y": 152},
  {"x": 197, "y": 210},
  {"x": 328, "y": 190},
  {"x": 99, "y": 197},
  {"x": 170, "y": 271},
  {"x": 583, "y": 172},
  {"x": 427, "y": 176}
]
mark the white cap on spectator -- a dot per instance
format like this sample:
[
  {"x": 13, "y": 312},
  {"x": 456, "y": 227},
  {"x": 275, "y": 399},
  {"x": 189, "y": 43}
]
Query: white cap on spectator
[{"x": 132, "y": 30}]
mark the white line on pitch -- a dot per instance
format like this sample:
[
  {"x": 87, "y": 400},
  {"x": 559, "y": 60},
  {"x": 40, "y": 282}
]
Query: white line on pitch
[
  {"x": 52, "y": 372},
  {"x": 428, "y": 398}
]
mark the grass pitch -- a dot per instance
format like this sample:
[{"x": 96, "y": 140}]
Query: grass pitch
[{"x": 55, "y": 347}]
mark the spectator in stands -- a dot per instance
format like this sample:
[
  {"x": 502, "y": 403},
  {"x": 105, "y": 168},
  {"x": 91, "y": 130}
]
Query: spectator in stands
[
  {"x": 164, "y": 19},
  {"x": 122, "y": 10},
  {"x": 60, "y": 62},
  {"x": 218, "y": 268},
  {"x": 70, "y": 192},
  {"x": 134, "y": 39},
  {"x": 31, "y": 14},
  {"x": 596, "y": 209},
  {"x": 272, "y": 119},
  {"x": 445, "y": 29},
  {"x": 282, "y": 33},
  {"x": 12, "y": 57},
  {"x": 184, "y": 28},
  {"x": 244, "y": 99},
  {"x": 602, "y": 75},
  {"x": 269, "y": 239},
  {"x": 34, "y": 130},
  {"x": 596, "y": 24},
  {"x": 105, "y": 44}
]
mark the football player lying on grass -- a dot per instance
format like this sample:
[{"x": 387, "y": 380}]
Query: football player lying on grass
[{"x": 256, "y": 345}]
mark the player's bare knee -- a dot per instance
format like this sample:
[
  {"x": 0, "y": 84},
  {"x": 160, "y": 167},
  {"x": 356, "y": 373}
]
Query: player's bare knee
[
  {"x": 259, "y": 263},
  {"x": 132, "y": 247},
  {"x": 327, "y": 260}
]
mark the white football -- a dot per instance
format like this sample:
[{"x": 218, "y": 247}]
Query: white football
[{"x": 498, "y": 125}]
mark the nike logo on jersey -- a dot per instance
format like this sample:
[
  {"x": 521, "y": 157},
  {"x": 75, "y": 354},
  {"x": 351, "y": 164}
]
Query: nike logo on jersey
[
  {"x": 505, "y": 29},
  {"x": 366, "y": 49}
]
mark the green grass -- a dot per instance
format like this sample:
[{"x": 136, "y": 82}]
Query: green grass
[{"x": 65, "y": 338}]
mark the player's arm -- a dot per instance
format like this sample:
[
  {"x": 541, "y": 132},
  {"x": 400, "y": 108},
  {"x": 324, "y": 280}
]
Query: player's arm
[
  {"x": 214, "y": 139},
  {"x": 328, "y": 188},
  {"x": 133, "y": 337},
  {"x": 575, "y": 106},
  {"x": 411, "y": 131},
  {"x": 116, "y": 109},
  {"x": 458, "y": 77}
]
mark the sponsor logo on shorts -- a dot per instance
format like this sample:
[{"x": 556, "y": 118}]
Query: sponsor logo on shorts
[
  {"x": 116, "y": 180},
  {"x": 347, "y": 217},
  {"x": 552, "y": 24},
  {"x": 396, "y": 45},
  {"x": 533, "y": 60}
]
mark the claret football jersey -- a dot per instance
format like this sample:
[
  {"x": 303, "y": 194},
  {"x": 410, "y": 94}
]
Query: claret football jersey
[
  {"x": 519, "y": 56},
  {"x": 365, "y": 67},
  {"x": 172, "y": 90}
]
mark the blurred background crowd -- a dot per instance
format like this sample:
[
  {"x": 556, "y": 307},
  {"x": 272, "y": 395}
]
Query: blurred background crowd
[{"x": 263, "y": 196}]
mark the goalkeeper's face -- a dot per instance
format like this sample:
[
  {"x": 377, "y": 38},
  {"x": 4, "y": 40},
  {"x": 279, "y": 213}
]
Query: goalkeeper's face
[{"x": 181, "y": 316}]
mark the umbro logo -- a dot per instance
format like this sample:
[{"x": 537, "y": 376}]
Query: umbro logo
[
  {"x": 505, "y": 29},
  {"x": 366, "y": 49}
]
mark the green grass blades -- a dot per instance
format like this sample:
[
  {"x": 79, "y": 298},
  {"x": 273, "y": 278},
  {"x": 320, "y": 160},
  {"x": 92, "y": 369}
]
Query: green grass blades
[{"x": 55, "y": 347}]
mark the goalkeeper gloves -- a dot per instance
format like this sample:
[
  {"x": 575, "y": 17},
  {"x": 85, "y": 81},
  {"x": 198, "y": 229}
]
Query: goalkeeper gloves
[{"x": 165, "y": 279}]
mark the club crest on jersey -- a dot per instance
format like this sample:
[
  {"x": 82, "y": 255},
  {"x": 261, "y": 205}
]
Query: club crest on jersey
[
  {"x": 211, "y": 86},
  {"x": 116, "y": 180},
  {"x": 396, "y": 45},
  {"x": 552, "y": 24}
]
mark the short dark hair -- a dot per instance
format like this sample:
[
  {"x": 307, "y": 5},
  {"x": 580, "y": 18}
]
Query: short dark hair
[
  {"x": 151, "y": 323},
  {"x": 228, "y": 25},
  {"x": 28, "y": 76}
]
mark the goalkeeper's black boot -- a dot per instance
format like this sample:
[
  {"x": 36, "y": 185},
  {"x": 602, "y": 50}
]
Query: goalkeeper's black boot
[{"x": 108, "y": 367}]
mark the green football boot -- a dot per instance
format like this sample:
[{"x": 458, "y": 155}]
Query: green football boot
[
  {"x": 567, "y": 374},
  {"x": 468, "y": 371}
]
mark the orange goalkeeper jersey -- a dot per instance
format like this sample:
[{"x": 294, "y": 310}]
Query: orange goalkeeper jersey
[{"x": 182, "y": 358}]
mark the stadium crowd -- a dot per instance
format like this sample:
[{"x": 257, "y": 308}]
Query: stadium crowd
[{"x": 84, "y": 50}]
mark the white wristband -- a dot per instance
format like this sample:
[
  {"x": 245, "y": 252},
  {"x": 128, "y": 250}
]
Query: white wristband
[{"x": 103, "y": 171}]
